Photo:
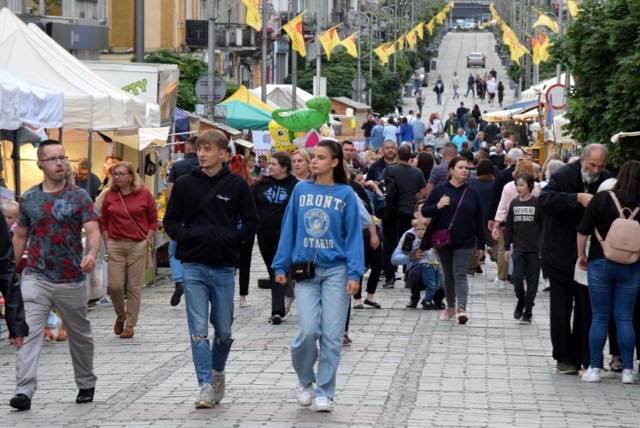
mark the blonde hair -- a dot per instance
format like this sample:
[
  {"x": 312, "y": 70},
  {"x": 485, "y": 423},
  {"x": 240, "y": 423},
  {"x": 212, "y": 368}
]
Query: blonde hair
[
  {"x": 420, "y": 221},
  {"x": 136, "y": 181},
  {"x": 303, "y": 153},
  {"x": 9, "y": 205}
]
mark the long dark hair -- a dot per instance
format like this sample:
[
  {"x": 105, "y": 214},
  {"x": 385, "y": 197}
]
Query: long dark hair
[
  {"x": 339, "y": 173},
  {"x": 425, "y": 163},
  {"x": 626, "y": 187}
]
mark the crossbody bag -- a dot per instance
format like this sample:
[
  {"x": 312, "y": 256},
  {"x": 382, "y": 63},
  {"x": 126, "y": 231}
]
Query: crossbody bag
[{"x": 441, "y": 238}]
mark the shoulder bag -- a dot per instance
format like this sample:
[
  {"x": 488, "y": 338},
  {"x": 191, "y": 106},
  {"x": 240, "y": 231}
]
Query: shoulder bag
[{"x": 441, "y": 238}]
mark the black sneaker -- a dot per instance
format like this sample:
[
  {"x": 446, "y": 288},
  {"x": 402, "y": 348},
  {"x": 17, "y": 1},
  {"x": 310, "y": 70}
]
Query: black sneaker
[
  {"x": 276, "y": 319},
  {"x": 517, "y": 314},
  {"x": 177, "y": 294},
  {"x": 20, "y": 402},
  {"x": 526, "y": 318}
]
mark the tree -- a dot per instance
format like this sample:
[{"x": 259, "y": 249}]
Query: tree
[
  {"x": 602, "y": 50},
  {"x": 190, "y": 70}
]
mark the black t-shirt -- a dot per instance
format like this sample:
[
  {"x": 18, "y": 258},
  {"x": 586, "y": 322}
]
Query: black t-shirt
[
  {"x": 600, "y": 213},
  {"x": 409, "y": 181},
  {"x": 498, "y": 161},
  {"x": 523, "y": 226}
]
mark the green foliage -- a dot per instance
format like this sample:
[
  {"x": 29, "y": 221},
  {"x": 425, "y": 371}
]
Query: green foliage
[
  {"x": 191, "y": 69},
  {"x": 602, "y": 50}
]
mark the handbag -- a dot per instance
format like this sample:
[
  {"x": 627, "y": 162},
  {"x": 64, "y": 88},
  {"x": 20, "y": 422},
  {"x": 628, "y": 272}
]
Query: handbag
[
  {"x": 150, "y": 261},
  {"x": 441, "y": 238}
]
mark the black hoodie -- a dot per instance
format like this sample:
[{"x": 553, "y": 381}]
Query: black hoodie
[
  {"x": 212, "y": 236},
  {"x": 272, "y": 197}
]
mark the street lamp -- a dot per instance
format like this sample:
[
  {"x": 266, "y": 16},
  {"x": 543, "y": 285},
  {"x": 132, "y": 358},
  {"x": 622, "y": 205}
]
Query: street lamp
[{"x": 360, "y": 20}]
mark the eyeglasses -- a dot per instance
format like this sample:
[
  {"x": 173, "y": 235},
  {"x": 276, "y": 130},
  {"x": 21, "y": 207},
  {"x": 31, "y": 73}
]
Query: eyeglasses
[
  {"x": 120, "y": 174},
  {"x": 62, "y": 159}
]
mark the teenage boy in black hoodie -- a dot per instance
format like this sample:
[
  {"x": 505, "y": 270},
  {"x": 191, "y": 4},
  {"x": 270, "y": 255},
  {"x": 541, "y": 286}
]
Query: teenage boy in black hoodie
[{"x": 202, "y": 216}]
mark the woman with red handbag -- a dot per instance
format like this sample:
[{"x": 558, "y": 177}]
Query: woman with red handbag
[
  {"x": 456, "y": 231},
  {"x": 128, "y": 221}
]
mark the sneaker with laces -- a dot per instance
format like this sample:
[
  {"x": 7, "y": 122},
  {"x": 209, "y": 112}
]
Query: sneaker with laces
[
  {"x": 629, "y": 376},
  {"x": 322, "y": 404},
  {"x": 276, "y": 319},
  {"x": 305, "y": 395},
  {"x": 592, "y": 375},
  {"x": 500, "y": 284},
  {"x": 205, "y": 397},
  {"x": 218, "y": 386},
  {"x": 448, "y": 314},
  {"x": 463, "y": 317}
]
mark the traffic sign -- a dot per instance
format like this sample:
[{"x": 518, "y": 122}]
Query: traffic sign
[{"x": 202, "y": 89}]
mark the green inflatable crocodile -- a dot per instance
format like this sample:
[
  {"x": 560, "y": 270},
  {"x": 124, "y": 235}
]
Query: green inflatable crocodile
[{"x": 313, "y": 117}]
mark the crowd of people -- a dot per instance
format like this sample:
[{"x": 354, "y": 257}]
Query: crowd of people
[{"x": 421, "y": 206}]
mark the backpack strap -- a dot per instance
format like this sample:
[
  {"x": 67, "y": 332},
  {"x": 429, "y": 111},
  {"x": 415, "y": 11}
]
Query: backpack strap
[{"x": 622, "y": 210}]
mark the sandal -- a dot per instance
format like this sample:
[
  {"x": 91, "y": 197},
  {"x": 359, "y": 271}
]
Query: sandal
[{"x": 373, "y": 304}]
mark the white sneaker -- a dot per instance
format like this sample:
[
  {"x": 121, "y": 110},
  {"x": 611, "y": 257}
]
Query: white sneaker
[
  {"x": 288, "y": 302},
  {"x": 629, "y": 376},
  {"x": 218, "y": 386},
  {"x": 205, "y": 397},
  {"x": 105, "y": 301},
  {"x": 305, "y": 395},
  {"x": 502, "y": 285},
  {"x": 322, "y": 404},
  {"x": 591, "y": 375}
]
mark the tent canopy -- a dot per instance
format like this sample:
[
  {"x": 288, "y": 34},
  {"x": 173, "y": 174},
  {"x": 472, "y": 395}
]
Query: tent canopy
[
  {"x": 24, "y": 102},
  {"x": 89, "y": 101},
  {"x": 281, "y": 95},
  {"x": 245, "y": 116},
  {"x": 502, "y": 115},
  {"x": 243, "y": 94}
]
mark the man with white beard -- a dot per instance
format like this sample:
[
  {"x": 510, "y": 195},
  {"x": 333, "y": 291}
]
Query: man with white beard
[{"x": 563, "y": 201}]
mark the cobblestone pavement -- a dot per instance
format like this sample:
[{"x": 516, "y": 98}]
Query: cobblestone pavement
[{"x": 404, "y": 368}]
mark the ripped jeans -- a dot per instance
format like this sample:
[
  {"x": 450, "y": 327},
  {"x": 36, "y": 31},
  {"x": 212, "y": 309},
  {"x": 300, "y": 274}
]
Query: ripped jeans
[{"x": 203, "y": 286}]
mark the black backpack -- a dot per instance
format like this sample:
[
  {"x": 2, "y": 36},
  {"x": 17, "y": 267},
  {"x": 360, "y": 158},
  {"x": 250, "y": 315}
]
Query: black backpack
[{"x": 390, "y": 190}]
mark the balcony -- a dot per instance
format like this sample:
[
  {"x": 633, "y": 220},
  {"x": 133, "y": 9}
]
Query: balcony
[{"x": 227, "y": 35}]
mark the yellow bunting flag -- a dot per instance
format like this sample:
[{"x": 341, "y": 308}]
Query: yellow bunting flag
[
  {"x": 535, "y": 49},
  {"x": 440, "y": 17},
  {"x": 411, "y": 39},
  {"x": 253, "y": 18},
  {"x": 430, "y": 26},
  {"x": 294, "y": 30},
  {"x": 400, "y": 42},
  {"x": 573, "y": 8},
  {"x": 381, "y": 51},
  {"x": 517, "y": 51},
  {"x": 329, "y": 40},
  {"x": 349, "y": 43},
  {"x": 544, "y": 20},
  {"x": 391, "y": 48},
  {"x": 544, "y": 47},
  {"x": 420, "y": 30}
]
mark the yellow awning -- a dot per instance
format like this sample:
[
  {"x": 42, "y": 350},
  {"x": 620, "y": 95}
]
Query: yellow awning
[{"x": 243, "y": 94}]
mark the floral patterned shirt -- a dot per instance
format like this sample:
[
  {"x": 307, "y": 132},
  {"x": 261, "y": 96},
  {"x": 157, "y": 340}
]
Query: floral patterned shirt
[{"x": 55, "y": 225}]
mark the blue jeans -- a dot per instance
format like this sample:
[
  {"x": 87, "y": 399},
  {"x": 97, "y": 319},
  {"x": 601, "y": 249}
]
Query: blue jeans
[
  {"x": 204, "y": 285},
  {"x": 322, "y": 305},
  {"x": 176, "y": 265},
  {"x": 439, "y": 97},
  {"x": 612, "y": 287}
]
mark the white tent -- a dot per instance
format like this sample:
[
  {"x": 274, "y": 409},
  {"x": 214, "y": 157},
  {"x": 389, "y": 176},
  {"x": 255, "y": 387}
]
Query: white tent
[
  {"x": 22, "y": 102},
  {"x": 90, "y": 102},
  {"x": 533, "y": 91},
  {"x": 280, "y": 96}
]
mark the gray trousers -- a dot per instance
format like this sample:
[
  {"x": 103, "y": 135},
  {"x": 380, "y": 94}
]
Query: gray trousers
[
  {"x": 71, "y": 300},
  {"x": 454, "y": 264}
]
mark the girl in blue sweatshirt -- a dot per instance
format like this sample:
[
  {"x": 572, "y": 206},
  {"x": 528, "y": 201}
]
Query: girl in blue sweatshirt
[{"x": 321, "y": 225}]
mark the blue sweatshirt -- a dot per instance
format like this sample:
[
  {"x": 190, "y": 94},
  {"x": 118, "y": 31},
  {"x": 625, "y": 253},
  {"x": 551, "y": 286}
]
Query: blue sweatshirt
[{"x": 323, "y": 220}]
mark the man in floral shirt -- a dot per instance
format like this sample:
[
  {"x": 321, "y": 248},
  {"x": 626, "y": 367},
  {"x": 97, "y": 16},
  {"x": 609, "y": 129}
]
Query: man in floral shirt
[{"x": 52, "y": 216}]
